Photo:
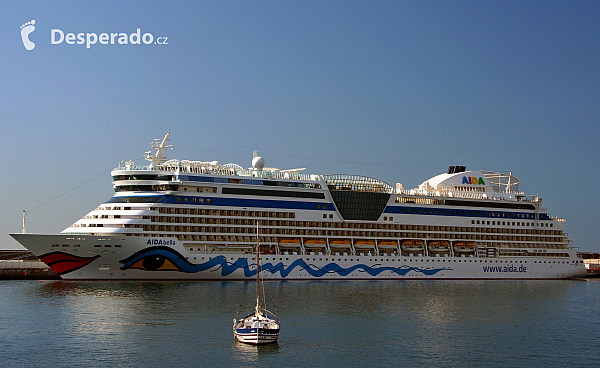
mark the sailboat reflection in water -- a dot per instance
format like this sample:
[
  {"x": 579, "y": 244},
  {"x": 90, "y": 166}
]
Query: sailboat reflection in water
[{"x": 261, "y": 326}]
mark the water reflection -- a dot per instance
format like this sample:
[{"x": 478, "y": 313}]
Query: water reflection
[
  {"x": 453, "y": 323},
  {"x": 447, "y": 319},
  {"x": 251, "y": 353}
]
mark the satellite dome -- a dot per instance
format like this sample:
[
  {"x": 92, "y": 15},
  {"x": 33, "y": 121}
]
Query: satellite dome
[{"x": 258, "y": 163}]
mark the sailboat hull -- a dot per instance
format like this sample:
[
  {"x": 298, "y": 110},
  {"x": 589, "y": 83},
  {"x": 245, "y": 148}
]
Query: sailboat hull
[{"x": 256, "y": 336}]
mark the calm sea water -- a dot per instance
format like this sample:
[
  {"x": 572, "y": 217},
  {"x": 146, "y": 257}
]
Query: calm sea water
[{"x": 324, "y": 324}]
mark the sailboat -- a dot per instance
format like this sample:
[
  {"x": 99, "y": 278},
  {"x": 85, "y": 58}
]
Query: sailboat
[{"x": 261, "y": 326}]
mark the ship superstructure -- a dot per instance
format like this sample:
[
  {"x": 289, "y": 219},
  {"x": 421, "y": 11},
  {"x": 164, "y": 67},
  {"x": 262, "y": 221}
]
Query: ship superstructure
[{"x": 179, "y": 219}]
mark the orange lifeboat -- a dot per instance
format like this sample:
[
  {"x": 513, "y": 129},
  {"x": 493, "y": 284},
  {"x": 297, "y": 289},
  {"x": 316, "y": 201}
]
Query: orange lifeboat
[
  {"x": 339, "y": 243},
  {"x": 387, "y": 244},
  {"x": 439, "y": 245},
  {"x": 364, "y": 244},
  {"x": 315, "y": 243},
  {"x": 464, "y": 247},
  {"x": 413, "y": 245},
  {"x": 289, "y": 242}
]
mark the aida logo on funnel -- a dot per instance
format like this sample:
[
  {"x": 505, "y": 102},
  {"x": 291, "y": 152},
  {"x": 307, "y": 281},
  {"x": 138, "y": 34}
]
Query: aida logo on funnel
[{"x": 26, "y": 30}]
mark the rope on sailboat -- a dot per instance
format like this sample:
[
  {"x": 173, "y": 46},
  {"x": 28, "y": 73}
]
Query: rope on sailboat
[
  {"x": 273, "y": 304},
  {"x": 267, "y": 290}
]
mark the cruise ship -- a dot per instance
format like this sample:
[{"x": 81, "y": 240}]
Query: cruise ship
[{"x": 198, "y": 220}]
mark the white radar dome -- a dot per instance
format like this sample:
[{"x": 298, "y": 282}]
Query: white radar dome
[{"x": 258, "y": 163}]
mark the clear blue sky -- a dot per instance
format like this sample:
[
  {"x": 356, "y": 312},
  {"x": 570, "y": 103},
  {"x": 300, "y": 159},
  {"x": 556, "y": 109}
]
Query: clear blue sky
[{"x": 397, "y": 90}]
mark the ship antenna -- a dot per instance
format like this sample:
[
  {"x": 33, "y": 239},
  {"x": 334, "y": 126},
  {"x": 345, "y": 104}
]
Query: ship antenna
[
  {"x": 159, "y": 156},
  {"x": 24, "y": 219}
]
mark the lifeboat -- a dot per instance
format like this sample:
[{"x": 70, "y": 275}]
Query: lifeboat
[
  {"x": 339, "y": 243},
  {"x": 464, "y": 247},
  {"x": 317, "y": 245},
  {"x": 289, "y": 242},
  {"x": 438, "y": 246},
  {"x": 314, "y": 243},
  {"x": 369, "y": 244},
  {"x": 387, "y": 244},
  {"x": 339, "y": 246},
  {"x": 413, "y": 245}
]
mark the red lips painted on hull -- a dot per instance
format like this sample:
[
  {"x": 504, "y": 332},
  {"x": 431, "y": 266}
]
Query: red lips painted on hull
[{"x": 62, "y": 263}]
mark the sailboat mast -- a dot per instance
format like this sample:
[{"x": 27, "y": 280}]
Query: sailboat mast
[{"x": 257, "y": 270}]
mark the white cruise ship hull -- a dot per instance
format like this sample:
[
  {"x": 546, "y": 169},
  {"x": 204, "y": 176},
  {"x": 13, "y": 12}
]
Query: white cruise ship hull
[
  {"x": 200, "y": 220},
  {"x": 86, "y": 257}
]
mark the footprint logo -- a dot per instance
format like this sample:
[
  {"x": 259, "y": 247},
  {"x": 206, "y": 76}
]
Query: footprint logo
[{"x": 26, "y": 29}]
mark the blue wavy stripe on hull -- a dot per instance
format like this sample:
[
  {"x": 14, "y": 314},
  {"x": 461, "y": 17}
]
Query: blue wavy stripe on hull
[{"x": 163, "y": 258}]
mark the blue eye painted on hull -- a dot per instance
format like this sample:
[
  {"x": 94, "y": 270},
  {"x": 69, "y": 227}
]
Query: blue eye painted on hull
[{"x": 157, "y": 259}]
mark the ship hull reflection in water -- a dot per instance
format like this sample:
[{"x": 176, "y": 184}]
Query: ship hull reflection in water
[{"x": 422, "y": 323}]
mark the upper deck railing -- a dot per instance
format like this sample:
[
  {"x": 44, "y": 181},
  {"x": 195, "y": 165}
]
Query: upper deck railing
[
  {"x": 213, "y": 168},
  {"x": 469, "y": 195},
  {"x": 357, "y": 183}
]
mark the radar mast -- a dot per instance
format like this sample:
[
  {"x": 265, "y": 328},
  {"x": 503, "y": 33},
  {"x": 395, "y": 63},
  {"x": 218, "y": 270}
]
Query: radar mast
[{"x": 159, "y": 156}]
